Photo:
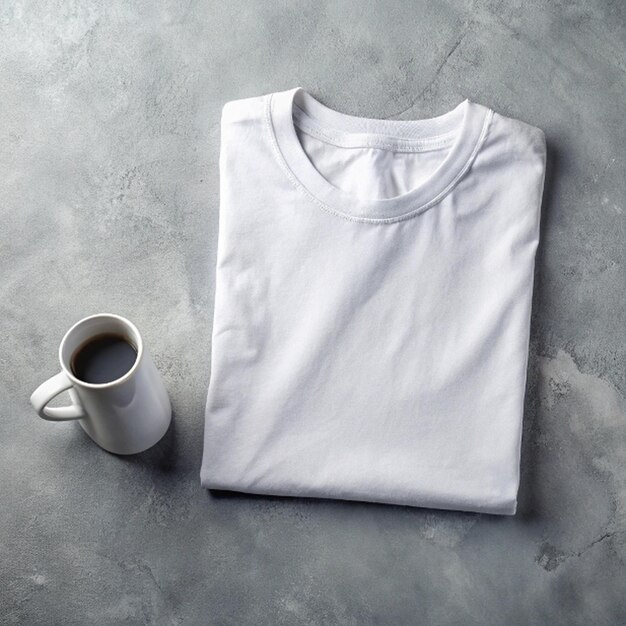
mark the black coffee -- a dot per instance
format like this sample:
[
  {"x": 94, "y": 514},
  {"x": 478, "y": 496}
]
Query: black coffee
[{"x": 103, "y": 358}]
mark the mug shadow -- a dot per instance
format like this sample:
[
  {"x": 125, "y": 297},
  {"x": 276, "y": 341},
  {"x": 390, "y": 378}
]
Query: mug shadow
[
  {"x": 529, "y": 507},
  {"x": 161, "y": 457}
]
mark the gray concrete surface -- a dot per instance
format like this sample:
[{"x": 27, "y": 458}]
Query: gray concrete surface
[{"x": 109, "y": 124}]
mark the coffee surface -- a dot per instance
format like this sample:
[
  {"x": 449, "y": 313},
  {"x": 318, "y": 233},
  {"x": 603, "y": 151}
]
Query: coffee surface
[{"x": 103, "y": 359}]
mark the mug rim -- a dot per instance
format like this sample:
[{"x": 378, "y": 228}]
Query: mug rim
[{"x": 112, "y": 383}]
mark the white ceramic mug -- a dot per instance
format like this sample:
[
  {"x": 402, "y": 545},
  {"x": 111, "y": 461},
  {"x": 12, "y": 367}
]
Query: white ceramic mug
[{"x": 124, "y": 416}]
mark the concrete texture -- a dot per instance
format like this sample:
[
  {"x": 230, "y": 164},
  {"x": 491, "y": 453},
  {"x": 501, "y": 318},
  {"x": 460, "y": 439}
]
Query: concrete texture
[{"x": 109, "y": 142}]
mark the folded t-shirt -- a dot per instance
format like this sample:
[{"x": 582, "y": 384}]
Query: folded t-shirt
[{"x": 372, "y": 309}]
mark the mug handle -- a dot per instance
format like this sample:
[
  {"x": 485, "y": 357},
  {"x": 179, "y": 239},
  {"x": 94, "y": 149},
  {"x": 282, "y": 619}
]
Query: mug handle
[{"x": 51, "y": 389}]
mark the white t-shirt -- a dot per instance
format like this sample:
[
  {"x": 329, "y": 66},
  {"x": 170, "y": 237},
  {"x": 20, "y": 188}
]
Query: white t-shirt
[{"x": 372, "y": 308}]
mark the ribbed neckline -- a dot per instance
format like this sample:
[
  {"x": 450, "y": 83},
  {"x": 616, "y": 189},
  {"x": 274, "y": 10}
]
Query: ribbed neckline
[{"x": 461, "y": 129}]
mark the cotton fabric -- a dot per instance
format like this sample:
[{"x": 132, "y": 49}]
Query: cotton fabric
[{"x": 373, "y": 295}]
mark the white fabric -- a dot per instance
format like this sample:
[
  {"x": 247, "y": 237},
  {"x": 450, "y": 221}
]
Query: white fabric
[{"x": 372, "y": 307}]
